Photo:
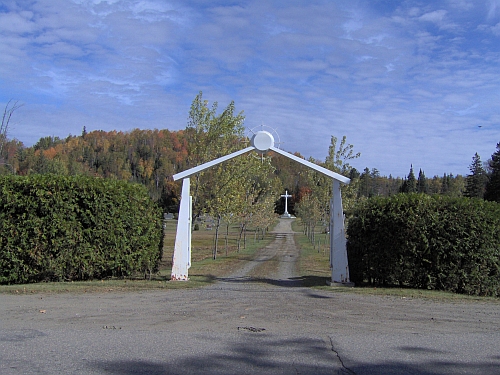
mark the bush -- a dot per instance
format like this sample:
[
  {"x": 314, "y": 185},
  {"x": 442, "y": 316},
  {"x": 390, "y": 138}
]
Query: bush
[
  {"x": 55, "y": 228},
  {"x": 430, "y": 242}
]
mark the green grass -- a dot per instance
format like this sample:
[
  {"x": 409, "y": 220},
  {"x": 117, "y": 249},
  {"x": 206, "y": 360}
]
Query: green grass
[
  {"x": 314, "y": 261},
  {"x": 204, "y": 269},
  {"x": 102, "y": 286},
  {"x": 403, "y": 293}
]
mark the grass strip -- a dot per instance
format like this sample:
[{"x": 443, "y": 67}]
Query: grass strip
[{"x": 204, "y": 270}]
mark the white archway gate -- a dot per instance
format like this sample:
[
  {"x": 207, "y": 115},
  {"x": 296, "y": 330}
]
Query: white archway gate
[{"x": 262, "y": 142}]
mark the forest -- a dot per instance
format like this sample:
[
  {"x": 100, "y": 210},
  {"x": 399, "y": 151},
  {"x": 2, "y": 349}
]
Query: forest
[{"x": 151, "y": 157}]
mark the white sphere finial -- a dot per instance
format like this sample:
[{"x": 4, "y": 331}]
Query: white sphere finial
[{"x": 262, "y": 141}]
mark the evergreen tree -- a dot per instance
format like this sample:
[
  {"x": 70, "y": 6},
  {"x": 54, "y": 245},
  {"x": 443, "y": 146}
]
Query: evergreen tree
[
  {"x": 475, "y": 183},
  {"x": 376, "y": 182},
  {"x": 422, "y": 186},
  {"x": 445, "y": 185},
  {"x": 410, "y": 183},
  {"x": 492, "y": 192},
  {"x": 354, "y": 173},
  {"x": 404, "y": 186},
  {"x": 365, "y": 183}
]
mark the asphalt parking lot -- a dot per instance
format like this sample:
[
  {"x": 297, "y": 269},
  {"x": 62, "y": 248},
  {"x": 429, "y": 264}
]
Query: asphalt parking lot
[{"x": 240, "y": 326}]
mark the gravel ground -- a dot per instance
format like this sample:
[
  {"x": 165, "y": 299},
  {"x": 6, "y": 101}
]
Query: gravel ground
[{"x": 239, "y": 326}]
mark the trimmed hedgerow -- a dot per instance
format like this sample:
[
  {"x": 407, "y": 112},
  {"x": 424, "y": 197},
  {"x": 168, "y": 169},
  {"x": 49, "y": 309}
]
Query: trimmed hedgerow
[
  {"x": 55, "y": 228},
  {"x": 429, "y": 242}
]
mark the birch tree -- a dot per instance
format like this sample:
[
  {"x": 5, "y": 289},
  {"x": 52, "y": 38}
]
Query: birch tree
[{"x": 317, "y": 207}]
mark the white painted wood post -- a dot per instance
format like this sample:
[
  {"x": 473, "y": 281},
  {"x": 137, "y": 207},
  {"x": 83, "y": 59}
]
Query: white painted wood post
[
  {"x": 338, "y": 251},
  {"x": 181, "y": 260}
]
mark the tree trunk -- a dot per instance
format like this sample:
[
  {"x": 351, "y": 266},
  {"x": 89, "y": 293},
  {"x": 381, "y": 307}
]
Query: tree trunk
[
  {"x": 227, "y": 237},
  {"x": 242, "y": 229},
  {"x": 313, "y": 235},
  {"x": 217, "y": 227},
  {"x": 245, "y": 237}
]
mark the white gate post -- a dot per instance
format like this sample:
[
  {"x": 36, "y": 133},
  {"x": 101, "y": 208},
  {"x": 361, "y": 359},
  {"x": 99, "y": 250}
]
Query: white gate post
[
  {"x": 181, "y": 260},
  {"x": 338, "y": 251}
]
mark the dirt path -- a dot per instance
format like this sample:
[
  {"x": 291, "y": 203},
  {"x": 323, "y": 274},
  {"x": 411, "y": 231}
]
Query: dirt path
[{"x": 282, "y": 251}]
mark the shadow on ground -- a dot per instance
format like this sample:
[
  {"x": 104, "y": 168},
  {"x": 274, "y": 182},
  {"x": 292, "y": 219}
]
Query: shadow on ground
[
  {"x": 293, "y": 282},
  {"x": 200, "y": 367},
  {"x": 260, "y": 353}
]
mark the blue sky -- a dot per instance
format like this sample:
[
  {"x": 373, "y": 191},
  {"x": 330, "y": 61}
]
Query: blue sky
[{"x": 408, "y": 82}]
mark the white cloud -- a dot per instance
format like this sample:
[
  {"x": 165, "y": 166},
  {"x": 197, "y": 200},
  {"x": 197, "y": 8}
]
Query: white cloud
[
  {"x": 494, "y": 8},
  {"x": 462, "y": 5},
  {"x": 436, "y": 16},
  {"x": 496, "y": 29},
  {"x": 401, "y": 89},
  {"x": 19, "y": 23}
]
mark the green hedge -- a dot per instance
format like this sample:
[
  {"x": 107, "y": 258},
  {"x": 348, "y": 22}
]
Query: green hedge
[
  {"x": 55, "y": 228},
  {"x": 430, "y": 242}
]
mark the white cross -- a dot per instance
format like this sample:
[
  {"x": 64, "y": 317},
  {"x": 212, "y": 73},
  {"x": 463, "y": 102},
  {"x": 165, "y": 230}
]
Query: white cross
[{"x": 286, "y": 196}]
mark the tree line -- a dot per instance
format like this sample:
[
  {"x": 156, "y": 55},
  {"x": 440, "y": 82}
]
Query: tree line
[{"x": 151, "y": 157}]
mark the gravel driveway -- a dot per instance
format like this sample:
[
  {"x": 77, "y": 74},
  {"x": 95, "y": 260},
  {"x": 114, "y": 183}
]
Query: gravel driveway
[{"x": 239, "y": 326}]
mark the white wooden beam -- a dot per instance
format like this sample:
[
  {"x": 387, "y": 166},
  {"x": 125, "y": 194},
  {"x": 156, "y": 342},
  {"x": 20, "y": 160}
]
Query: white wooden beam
[
  {"x": 212, "y": 163},
  {"x": 316, "y": 167}
]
